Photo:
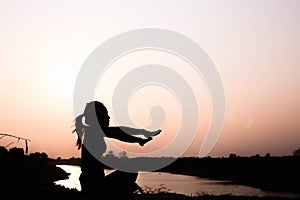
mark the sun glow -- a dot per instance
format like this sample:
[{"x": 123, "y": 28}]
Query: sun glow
[{"x": 61, "y": 80}]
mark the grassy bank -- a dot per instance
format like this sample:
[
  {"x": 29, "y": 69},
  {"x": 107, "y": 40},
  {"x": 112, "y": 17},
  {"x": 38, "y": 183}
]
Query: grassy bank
[{"x": 60, "y": 193}]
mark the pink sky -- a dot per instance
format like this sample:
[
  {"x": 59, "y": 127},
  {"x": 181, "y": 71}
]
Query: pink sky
[{"x": 254, "y": 45}]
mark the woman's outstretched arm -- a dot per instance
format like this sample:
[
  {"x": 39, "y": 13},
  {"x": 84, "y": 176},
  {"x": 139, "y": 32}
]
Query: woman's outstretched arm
[
  {"x": 135, "y": 131},
  {"x": 125, "y": 134}
]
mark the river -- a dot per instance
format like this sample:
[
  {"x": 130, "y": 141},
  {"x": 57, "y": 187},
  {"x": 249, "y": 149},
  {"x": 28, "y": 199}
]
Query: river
[{"x": 180, "y": 184}]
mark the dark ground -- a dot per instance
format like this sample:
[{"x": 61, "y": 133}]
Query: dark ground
[
  {"x": 32, "y": 177},
  {"x": 64, "y": 194}
]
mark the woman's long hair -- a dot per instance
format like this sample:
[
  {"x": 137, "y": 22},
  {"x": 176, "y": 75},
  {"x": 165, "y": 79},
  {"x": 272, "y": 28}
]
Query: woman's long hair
[{"x": 79, "y": 129}]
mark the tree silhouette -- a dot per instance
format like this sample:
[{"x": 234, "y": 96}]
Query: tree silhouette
[
  {"x": 110, "y": 154},
  {"x": 232, "y": 155},
  {"x": 297, "y": 152},
  {"x": 123, "y": 154},
  {"x": 268, "y": 155}
]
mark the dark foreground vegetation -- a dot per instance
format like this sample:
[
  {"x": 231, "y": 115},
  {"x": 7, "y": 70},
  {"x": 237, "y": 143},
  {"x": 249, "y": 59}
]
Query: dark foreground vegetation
[
  {"x": 22, "y": 173},
  {"x": 32, "y": 176}
]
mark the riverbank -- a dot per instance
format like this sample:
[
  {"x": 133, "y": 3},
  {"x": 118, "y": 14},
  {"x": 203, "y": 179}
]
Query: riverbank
[
  {"x": 152, "y": 182},
  {"x": 34, "y": 176},
  {"x": 277, "y": 174}
]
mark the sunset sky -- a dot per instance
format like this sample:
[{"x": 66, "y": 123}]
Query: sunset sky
[{"x": 254, "y": 45}]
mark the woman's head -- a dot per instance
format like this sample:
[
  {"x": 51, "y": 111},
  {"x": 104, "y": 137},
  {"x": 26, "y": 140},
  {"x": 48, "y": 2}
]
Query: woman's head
[{"x": 95, "y": 114}]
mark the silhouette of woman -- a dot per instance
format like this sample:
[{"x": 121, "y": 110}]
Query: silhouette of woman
[{"x": 92, "y": 127}]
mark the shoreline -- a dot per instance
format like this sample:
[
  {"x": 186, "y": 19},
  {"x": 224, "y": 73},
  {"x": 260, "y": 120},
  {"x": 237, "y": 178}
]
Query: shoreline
[
  {"x": 270, "y": 174},
  {"x": 254, "y": 193},
  {"x": 34, "y": 175}
]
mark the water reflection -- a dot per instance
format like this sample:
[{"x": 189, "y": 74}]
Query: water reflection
[
  {"x": 181, "y": 184},
  {"x": 73, "y": 181}
]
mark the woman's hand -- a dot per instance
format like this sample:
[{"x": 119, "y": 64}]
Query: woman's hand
[
  {"x": 144, "y": 141},
  {"x": 156, "y": 132},
  {"x": 152, "y": 133},
  {"x": 149, "y": 135}
]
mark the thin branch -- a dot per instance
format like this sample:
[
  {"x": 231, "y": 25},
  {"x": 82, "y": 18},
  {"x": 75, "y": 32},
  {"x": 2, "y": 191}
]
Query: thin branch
[
  {"x": 9, "y": 144},
  {"x": 9, "y": 135},
  {"x": 19, "y": 138}
]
